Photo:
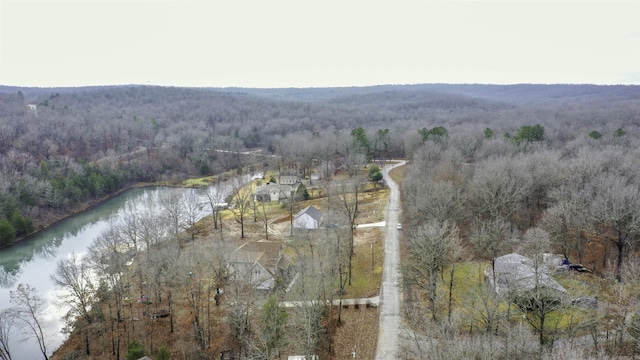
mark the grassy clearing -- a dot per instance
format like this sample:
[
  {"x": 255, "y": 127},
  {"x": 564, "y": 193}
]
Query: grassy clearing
[
  {"x": 367, "y": 266},
  {"x": 198, "y": 182},
  {"x": 397, "y": 174},
  {"x": 371, "y": 206},
  {"x": 205, "y": 180}
]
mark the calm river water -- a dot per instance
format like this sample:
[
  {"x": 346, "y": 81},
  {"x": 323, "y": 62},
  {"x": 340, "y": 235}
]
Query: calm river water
[{"x": 34, "y": 260}]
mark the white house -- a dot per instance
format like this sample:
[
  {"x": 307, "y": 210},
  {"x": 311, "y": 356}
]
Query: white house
[
  {"x": 273, "y": 192},
  {"x": 307, "y": 218},
  {"x": 288, "y": 180}
]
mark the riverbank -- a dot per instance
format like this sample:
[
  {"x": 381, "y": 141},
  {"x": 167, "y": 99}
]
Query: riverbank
[
  {"x": 86, "y": 206},
  {"x": 189, "y": 182},
  {"x": 31, "y": 262}
]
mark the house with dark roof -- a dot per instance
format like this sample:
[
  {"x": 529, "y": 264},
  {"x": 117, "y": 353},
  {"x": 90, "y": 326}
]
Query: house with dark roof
[
  {"x": 308, "y": 218},
  {"x": 261, "y": 263}
]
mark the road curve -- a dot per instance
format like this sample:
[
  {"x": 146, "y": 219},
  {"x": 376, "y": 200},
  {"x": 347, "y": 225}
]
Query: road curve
[{"x": 390, "y": 291}]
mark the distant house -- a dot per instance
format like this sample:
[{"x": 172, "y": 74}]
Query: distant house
[
  {"x": 274, "y": 192},
  {"x": 289, "y": 180},
  {"x": 514, "y": 272},
  {"x": 307, "y": 218},
  {"x": 261, "y": 263}
]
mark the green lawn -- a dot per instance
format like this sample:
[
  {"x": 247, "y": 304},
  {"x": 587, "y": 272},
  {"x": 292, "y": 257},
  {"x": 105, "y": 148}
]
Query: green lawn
[
  {"x": 198, "y": 182},
  {"x": 366, "y": 281},
  {"x": 397, "y": 174},
  {"x": 468, "y": 293}
]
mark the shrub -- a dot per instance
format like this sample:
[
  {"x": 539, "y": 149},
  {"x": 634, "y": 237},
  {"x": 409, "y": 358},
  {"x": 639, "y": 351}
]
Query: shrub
[{"x": 135, "y": 350}]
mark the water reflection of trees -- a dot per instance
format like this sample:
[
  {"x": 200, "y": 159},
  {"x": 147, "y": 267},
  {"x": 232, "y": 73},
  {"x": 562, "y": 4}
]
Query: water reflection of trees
[
  {"x": 49, "y": 249},
  {"x": 10, "y": 266},
  {"x": 46, "y": 247},
  {"x": 9, "y": 274}
]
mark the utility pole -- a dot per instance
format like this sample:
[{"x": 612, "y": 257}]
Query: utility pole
[
  {"x": 291, "y": 212},
  {"x": 371, "y": 256}
]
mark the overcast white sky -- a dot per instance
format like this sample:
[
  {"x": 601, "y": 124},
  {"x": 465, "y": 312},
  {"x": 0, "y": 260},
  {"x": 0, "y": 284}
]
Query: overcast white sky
[{"x": 306, "y": 43}]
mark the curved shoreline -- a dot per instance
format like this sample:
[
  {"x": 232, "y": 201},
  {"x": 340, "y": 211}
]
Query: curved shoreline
[{"x": 89, "y": 205}]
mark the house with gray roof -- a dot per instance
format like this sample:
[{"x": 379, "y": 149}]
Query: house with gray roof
[
  {"x": 516, "y": 273},
  {"x": 261, "y": 263},
  {"x": 308, "y": 218}
]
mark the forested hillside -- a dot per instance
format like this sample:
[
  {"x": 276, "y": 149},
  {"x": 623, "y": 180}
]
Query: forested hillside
[
  {"x": 492, "y": 170},
  {"x": 62, "y": 147}
]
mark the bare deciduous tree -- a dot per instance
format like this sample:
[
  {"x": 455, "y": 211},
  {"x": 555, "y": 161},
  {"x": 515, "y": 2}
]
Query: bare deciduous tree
[
  {"x": 108, "y": 256},
  {"x": 615, "y": 211},
  {"x": 241, "y": 204},
  {"x": 192, "y": 209},
  {"x": 346, "y": 196},
  {"x": 490, "y": 238},
  {"x": 541, "y": 299},
  {"x": 174, "y": 207},
  {"x": 72, "y": 275},
  {"x": 319, "y": 272},
  {"x": 263, "y": 215},
  {"x": 439, "y": 200},
  {"x": 484, "y": 307},
  {"x": 6, "y": 324},
  {"x": 497, "y": 187},
  {"x": 215, "y": 196},
  {"x": 28, "y": 309},
  {"x": 241, "y": 296},
  {"x": 429, "y": 247},
  {"x": 198, "y": 284}
]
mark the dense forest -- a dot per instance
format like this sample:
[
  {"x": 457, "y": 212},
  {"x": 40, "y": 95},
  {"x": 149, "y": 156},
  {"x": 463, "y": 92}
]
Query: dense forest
[
  {"x": 492, "y": 169},
  {"x": 62, "y": 147}
]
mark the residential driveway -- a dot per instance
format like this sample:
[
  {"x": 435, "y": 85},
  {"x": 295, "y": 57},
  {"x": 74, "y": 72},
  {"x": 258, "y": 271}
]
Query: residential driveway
[
  {"x": 390, "y": 293},
  {"x": 376, "y": 224}
]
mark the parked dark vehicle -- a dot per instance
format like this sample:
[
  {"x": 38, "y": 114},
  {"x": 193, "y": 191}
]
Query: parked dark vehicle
[{"x": 578, "y": 267}]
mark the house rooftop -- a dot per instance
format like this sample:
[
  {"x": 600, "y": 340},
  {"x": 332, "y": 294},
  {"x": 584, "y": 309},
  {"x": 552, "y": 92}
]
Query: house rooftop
[
  {"x": 252, "y": 256},
  {"x": 514, "y": 271},
  {"x": 256, "y": 249},
  {"x": 311, "y": 211}
]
